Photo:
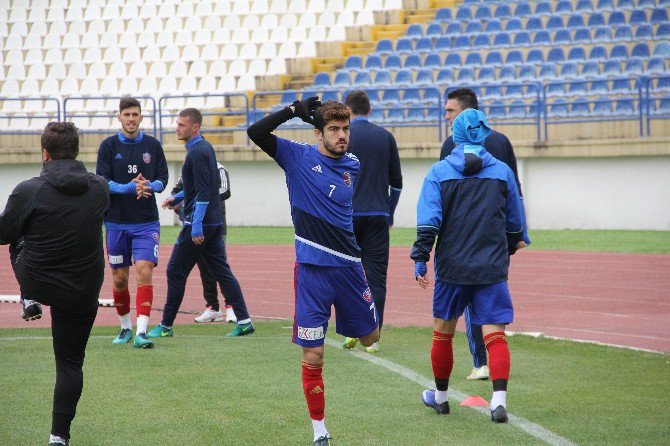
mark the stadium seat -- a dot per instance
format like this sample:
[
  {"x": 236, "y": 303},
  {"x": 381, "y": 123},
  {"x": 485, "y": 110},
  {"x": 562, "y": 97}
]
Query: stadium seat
[
  {"x": 483, "y": 12},
  {"x": 542, "y": 38},
  {"x": 496, "y": 112},
  {"x": 522, "y": 38},
  {"x": 602, "y": 34},
  {"x": 659, "y": 15},
  {"x": 534, "y": 23},
  {"x": 605, "y": 5},
  {"x": 633, "y": 67},
  {"x": 466, "y": 74},
  {"x": 453, "y": 29},
  {"x": 522, "y": 9},
  {"x": 663, "y": 107},
  {"x": 396, "y": 115},
  {"x": 453, "y": 60},
  {"x": 321, "y": 80},
  {"x": 598, "y": 53},
  {"x": 353, "y": 63},
  {"x": 543, "y": 8},
  {"x": 577, "y": 54},
  {"x": 563, "y": 7},
  {"x": 502, "y": 11},
  {"x": 416, "y": 115},
  {"x": 599, "y": 86},
  {"x": 656, "y": 65},
  {"x": 445, "y": 76},
  {"x": 517, "y": 110},
  {"x": 663, "y": 31},
  {"x": 535, "y": 56},
  {"x": 595, "y": 19},
  {"x": 620, "y": 86},
  {"x": 393, "y": 62},
  {"x": 443, "y": 15},
  {"x": 415, "y": 30},
  {"x": 464, "y": 13},
  {"x": 494, "y": 91},
  {"x": 584, "y": 6},
  {"x": 342, "y": 79},
  {"x": 432, "y": 60},
  {"x": 662, "y": 49},
  {"x": 507, "y": 74},
  {"x": 637, "y": 16},
  {"x": 486, "y": 74},
  {"x": 562, "y": 37},
  {"x": 462, "y": 42},
  {"x": 423, "y": 45},
  {"x": 619, "y": 52},
  {"x": 412, "y": 61},
  {"x": 577, "y": 87},
  {"x": 612, "y": 68},
  {"x": 473, "y": 59},
  {"x": 494, "y": 58},
  {"x": 404, "y": 45},
  {"x": 527, "y": 71},
  {"x": 548, "y": 71},
  {"x": 559, "y": 109},
  {"x": 442, "y": 43},
  {"x": 502, "y": 40},
  {"x": 384, "y": 46},
  {"x": 513, "y": 24},
  {"x": 403, "y": 77},
  {"x": 373, "y": 62},
  {"x": 382, "y": 78},
  {"x": 424, "y": 77},
  {"x": 434, "y": 30},
  {"x": 641, "y": 50},
  {"x": 590, "y": 69},
  {"x": 482, "y": 40},
  {"x": 662, "y": 84},
  {"x": 582, "y": 35},
  {"x": 625, "y": 107},
  {"x": 556, "y": 54},
  {"x": 623, "y": 32},
  {"x": 580, "y": 109},
  {"x": 556, "y": 22}
]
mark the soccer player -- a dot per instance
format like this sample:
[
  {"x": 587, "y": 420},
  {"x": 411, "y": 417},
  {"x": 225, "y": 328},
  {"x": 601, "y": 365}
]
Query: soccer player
[
  {"x": 200, "y": 236},
  {"x": 471, "y": 203},
  {"x": 61, "y": 262},
  {"x": 376, "y": 194},
  {"x": 134, "y": 165},
  {"x": 328, "y": 271},
  {"x": 500, "y": 147}
]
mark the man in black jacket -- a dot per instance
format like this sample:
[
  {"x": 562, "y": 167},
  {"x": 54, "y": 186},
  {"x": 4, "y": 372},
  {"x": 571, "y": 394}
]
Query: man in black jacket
[{"x": 58, "y": 218}]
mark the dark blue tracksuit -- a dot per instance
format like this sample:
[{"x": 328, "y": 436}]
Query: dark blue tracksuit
[
  {"x": 373, "y": 203},
  {"x": 202, "y": 211}
]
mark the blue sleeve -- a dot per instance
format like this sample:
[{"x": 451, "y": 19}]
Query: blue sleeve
[
  {"x": 198, "y": 216},
  {"x": 288, "y": 152},
  {"x": 178, "y": 197},
  {"x": 428, "y": 217},
  {"x": 118, "y": 188},
  {"x": 157, "y": 186}
]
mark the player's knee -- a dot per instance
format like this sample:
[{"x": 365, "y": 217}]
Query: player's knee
[{"x": 313, "y": 356}]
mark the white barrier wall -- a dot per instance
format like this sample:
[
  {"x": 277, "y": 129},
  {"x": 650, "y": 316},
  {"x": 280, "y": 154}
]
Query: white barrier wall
[{"x": 560, "y": 193}]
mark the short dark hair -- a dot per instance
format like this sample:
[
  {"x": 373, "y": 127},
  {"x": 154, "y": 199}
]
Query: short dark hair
[
  {"x": 358, "y": 101},
  {"x": 466, "y": 97},
  {"x": 61, "y": 140},
  {"x": 193, "y": 114},
  {"x": 127, "y": 102},
  {"x": 330, "y": 111}
]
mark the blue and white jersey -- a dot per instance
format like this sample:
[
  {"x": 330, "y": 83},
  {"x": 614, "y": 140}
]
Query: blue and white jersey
[{"x": 320, "y": 191}]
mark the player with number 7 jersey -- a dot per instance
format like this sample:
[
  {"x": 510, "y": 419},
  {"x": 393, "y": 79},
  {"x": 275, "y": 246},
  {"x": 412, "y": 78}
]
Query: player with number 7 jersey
[{"x": 134, "y": 165}]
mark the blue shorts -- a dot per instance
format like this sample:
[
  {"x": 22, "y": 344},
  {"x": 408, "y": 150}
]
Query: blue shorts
[
  {"x": 317, "y": 288},
  {"x": 489, "y": 304},
  {"x": 136, "y": 242}
]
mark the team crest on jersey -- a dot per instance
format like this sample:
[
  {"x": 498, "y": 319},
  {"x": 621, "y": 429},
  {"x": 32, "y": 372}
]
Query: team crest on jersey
[
  {"x": 367, "y": 295},
  {"x": 146, "y": 157},
  {"x": 347, "y": 178},
  {"x": 157, "y": 237}
]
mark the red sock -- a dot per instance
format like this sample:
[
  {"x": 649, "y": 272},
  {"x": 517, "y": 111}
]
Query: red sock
[
  {"x": 442, "y": 355},
  {"x": 312, "y": 385},
  {"x": 499, "y": 362},
  {"x": 121, "y": 301},
  {"x": 144, "y": 300}
]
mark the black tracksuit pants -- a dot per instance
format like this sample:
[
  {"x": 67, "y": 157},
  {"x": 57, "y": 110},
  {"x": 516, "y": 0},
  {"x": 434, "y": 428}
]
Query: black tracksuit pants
[
  {"x": 372, "y": 235},
  {"x": 209, "y": 289},
  {"x": 185, "y": 255}
]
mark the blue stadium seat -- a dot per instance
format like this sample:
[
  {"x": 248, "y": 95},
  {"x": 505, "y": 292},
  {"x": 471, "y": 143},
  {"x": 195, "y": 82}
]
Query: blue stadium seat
[
  {"x": 620, "y": 86},
  {"x": 556, "y": 22},
  {"x": 486, "y": 74},
  {"x": 494, "y": 91},
  {"x": 533, "y": 110},
  {"x": 393, "y": 62},
  {"x": 563, "y": 7},
  {"x": 493, "y": 26},
  {"x": 580, "y": 109},
  {"x": 341, "y": 79},
  {"x": 442, "y": 44},
  {"x": 535, "y": 56},
  {"x": 559, "y": 109},
  {"x": 416, "y": 115},
  {"x": 599, "y": 86},
  {"x": 415, "y": 30},
  {"x": 496, "y": 112},
  {"x": 543, "y": 8},
  {"x": 464, "y": 13},
  {"x": 434, "y": 30},
  {"x": 404, "y": 45},
  {"x": 584, "y": 6},
  {"x": 612, "y": 68},
  {"x": 663, "y": 107},
  {"x": 548, "y": 71},
  {"x": 445, "y": 75},
  {"x": 534, "y": 24},
  {"x": 569, "y": 70},
  {"x": 644, "y": 32},
  {"x": 646, "y": 4},
  {"x": 473, "y": 27},
  {"x": 453, "y": 60},
  {"x": 522, "y": 38},
  {"x": 502, "y": 11},
  {"x": 433, "y": 60},
  {"x": 513, "y": 24},
  {"x": 396, "y": 115},
  {"x": 373, "y": 62},
  {"x": 433, "y": 114},
  {"x": 330, "y": 96},
  {"x": 641, "y": 50},
  {"x": 443, "y": 15},
  {"x": 411, "y": 96},
  {"x": 576, "y": 20},
  {"x": 633, "y": 67},
  {"x": 595, "y": 19},
  {"x": 605, "y": 5},
  {"x": 616, "y": 18},
  {"x": 590, "y": 69},
  {"x": 662, "y": 49},
  {"x": 637, "y": 16},
  {"x": 453, "y": 29},
  {"x": 382, "y": 77},
  {"x": 502, "y": 40},
  {"x": 507, "y": 73},
  {"x": 384, "y": 46},
  {"x": 403, "y": 77},
  {"x": 482, "y": 40},
  {"x": 562, "y": 37},
  {"x": 656, "y": 65},
  {"x": 288, "y": 97},
  {"x": 663, "y": 31},
  {"x": 527, "y": 71},
  {"x": 514, "y": 57},
  {"x": 556, "y": 54},
  {"x": 619, "y": 52},
  {"x": 423, "y": 44},
  {"x": 663, "y": 2},
  {"x": 542, "y": 38},
  {"x": 412, "y": 61},
  {"x": 625, "y": 107},
  {"x": 377, "y": 115},
  {"x": 353, "y": 63},
  {"x": 483, "y": 12},
  {"x": 321, "y": 80},
  {"x": 577, "y": 54},
  {"x": 577, "y": 87},
  {"x": 390, "y": 96},
  {"x": 662, "y": 84},
  {"x": 473, "y": 59},
  {"x": 362, "y": 78},
  {"x": 431, "y": 96},
  {"x": 625, "y": 4},
  {"x": 602, "y": 34},
  {"x": 582, "y": 35},
  {"x": 659, "y": 15},
  {"x": 623, "y": 32},
  {"x": 598, "y": 52},
  {"x": 466, "y": 74},
  {"x": 602, "y": 107},
  {"x": 372, "y": 93},
  {"x": 522, "y": 9},
  {"x": 461, "y": 42}
]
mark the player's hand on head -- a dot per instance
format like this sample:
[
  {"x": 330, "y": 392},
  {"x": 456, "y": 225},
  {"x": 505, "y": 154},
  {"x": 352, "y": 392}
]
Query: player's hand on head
[{"x": 304, "y": 109}]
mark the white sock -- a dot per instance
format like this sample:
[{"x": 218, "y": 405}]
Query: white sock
[
  {"x": 319, "y": 427},
  {"x": 142, "y": 323},
  {"x": 125, "y": 321},
  {"x": 441, "y": 396},
  {"x": 245, "y": 321},
  {"x": 499, "y": 398},
  {"x": 56, "y": 439}
]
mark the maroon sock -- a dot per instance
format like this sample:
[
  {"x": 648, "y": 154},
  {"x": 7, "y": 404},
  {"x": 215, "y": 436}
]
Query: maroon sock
[
  {"x": 312, "y": 385},
  {"x": 442, "y": 358}
]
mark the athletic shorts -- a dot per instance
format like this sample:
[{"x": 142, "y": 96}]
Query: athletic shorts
[
  {"x": 317, "y": 288},
  {"x": 139, "y": 242},
  {"x": 489, "y": 304}
]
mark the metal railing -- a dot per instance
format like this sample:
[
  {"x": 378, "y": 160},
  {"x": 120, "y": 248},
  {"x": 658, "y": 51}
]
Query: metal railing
[
  {"x": 21, "y": 114},
  {"x": 651, "y": 96},
  {"x": 81, "y": 112}
]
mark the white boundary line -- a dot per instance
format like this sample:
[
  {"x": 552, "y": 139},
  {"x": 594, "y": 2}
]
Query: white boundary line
[
  {"x": 531, "y": 428},
  {"x": 537, "y": 334}
]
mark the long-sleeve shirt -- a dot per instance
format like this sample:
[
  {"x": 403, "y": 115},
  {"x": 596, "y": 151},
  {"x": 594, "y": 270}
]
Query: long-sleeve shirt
[{"x": 201, "y": 180}]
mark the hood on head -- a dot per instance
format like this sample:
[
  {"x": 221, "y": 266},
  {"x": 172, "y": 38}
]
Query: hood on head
[
  {"x": 470, "y": 127},
  {"x": 67, "y": 176},
  {"x": 469, "y": 159}
]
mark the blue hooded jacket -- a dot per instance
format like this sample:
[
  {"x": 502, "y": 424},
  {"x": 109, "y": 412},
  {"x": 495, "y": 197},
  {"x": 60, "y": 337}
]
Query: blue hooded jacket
[{"x": 470, "y": 202}]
